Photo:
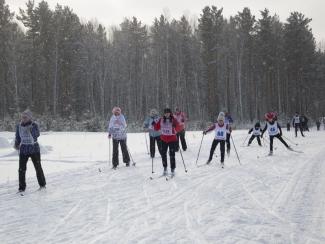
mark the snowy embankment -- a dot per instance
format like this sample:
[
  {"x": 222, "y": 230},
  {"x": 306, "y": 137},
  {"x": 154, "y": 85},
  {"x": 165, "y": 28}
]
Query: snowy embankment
[{"x": 278, "y": 199}]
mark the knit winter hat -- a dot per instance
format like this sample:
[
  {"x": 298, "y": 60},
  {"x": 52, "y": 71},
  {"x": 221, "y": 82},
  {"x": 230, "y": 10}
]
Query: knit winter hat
[
  {"x": 167, "y": 110},
  {"x": 153, "y": 112},
  {"x": 27, "y": 113},
  {"x": 221, "y": 116},
  {"x": 116, "y": 109}
]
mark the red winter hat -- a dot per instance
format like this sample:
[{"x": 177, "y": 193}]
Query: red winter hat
[{"x": 270, "y": 115}]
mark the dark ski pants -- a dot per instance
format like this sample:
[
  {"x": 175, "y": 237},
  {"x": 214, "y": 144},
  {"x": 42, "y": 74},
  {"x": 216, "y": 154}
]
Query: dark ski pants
[
  {"x": 36, "y": 159},
  {"x": 153, "y": 141},
  {"x": 228, "y": 142},
  {"x": 181, "y": 137},
  {"x": 164, "y": 148},
  {"x": 281, "y": 140},
  {"x": 222, "y": 149},
  {"x": 125, "y": 153},
  {"x": 252, "y": 138},
  {"x": 300, "y": 128}
]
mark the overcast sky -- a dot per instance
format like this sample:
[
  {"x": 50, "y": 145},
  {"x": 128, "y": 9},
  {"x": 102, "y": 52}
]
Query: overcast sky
[{"x": 112, "y": 12}]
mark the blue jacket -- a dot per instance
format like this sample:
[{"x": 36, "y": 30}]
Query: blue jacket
[
  {"x": 148, "y": 125},
  {"x": 27, "y": 149}
]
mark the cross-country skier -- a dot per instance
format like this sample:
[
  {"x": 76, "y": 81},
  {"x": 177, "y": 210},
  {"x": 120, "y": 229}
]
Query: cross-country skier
[
  {"x": 296, "y": 123},
  {"x": 256, "y": 133},
  {"x": 181, "y": 119},
  {"x": 117, "y": 131},
  {"x": 220, "y": 129},
  {"x": 318, "y": 124},
  {"x": 167, "y": 125},
  {"x": 274, "y": 130},
  {"x": 27, "y": 133},
  {"x": 228, "y": 121},
  {"x": 153, "y": 134}
]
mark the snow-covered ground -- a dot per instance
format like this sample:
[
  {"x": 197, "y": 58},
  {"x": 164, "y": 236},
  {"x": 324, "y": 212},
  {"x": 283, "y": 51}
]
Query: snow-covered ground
[{"x": 278, "y": 199}]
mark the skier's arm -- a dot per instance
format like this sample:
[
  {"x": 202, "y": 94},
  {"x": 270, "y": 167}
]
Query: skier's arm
[
  {"x": 35, "y": 131},
  {"x": 17, "y": 138},
  {"x": 209, "y": 129}
]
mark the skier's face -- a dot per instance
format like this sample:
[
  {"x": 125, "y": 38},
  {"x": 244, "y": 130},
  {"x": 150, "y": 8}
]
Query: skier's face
[
  {"x": 25, "y": 118},
  {"x": 167, "y": 115},
  {"x": 117, "y": 113}
]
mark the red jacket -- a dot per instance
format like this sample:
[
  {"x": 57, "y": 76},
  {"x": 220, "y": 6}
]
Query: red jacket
[
  {"x": 181, "y": 119},
  {"x": 167, "y": 129}
]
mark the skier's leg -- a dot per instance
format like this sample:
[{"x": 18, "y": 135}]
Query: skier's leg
[
  {"x": 158, "y": 140},
  {"x": 152, "y": 146},
  {"x": 271, "y": 144},
  {"x": 222, "y": 150},
  {"x": 125, "y": 153},
  {"x": 250, "y": 140},
  {"x": 259, "y": 140},
  {"x": 164, "y": 148},
  {"x": 172, "y": 155},
  {"x": 183, "y": 141},
  {"x": 281, "y": 140},
  {"x": 36, "y": 158},
  {"x": 115, "y": 152},
  {"x": 213, "y": 147},
  {"x": 22, "y": 171},
  {"x": 228, "y": 143}
]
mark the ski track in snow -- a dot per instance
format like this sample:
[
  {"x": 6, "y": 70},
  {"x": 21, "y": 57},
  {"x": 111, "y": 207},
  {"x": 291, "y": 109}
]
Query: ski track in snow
[{"x": 278, "y": 199}]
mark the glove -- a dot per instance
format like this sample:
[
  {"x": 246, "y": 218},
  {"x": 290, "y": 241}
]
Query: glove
[
  {"x": 204, "y": 132},
  {"x": 17, "y": 147},
  {"x": 109, "y": 136}
]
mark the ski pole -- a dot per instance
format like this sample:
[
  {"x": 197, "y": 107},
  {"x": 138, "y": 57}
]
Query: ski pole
[
  {"x": 146, "y": 142},
  {"x": 152, "y": 166},
  {"x": 183, "y": 160},
  {"x": 235, "y": 149},
  {"x": 199, "y": 150},
  {"x": 245, "y": 140},
  {"x": 133, "y": 163},
  {"x": 109, "y": 152},
  {"x": 292, "y": 142}
]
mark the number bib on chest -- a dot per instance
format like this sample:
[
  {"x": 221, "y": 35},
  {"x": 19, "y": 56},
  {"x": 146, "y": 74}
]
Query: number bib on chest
[
  {"x": 272, "y": 129},
  {"x": 221, "y": 132},
  {"x": 166, "y": 128}
]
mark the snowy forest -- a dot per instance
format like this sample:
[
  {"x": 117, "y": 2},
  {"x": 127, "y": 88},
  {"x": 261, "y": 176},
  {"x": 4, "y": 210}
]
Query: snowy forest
[{"x": 66, "y": 69}]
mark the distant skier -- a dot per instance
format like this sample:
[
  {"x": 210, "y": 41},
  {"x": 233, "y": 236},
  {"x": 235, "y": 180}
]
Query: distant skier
[
  {"x": 228, "y": 121},
  {"x": 274, "y": 130},
  {"x": 26, "y": 143},
  {"x": 117, "y": 131},
  {"x": 288, "y": 125},
  {"x": 167, "y": 125},
  {"x": 296, "y": 123},
  {"x": 304, "y": 123},
  {"x": 153, "y": 134},
  {"x": 220, "y": 129},
  {"x": 318, "y": 124},
  {"x": 181, "y": 119},
  {"x": 256, "y": 133}
]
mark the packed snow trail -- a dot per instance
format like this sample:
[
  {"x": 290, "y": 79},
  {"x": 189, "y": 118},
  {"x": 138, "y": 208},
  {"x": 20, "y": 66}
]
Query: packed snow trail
[{"x": 277, "y": 199}]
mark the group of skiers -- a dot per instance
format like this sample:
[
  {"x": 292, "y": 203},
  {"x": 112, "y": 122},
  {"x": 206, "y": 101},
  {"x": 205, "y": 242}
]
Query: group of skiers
[{"x": 166, "y": 131}]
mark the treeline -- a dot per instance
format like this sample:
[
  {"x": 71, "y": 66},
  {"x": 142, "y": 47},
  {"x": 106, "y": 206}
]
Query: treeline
[{"x": 60, "y": 67}]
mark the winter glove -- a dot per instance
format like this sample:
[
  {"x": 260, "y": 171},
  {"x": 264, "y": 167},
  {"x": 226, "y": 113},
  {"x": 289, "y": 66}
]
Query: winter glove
[
  {"x": 204, "y": 132},
  {"x": 17, "y": 147},
  {"x": 109, "y": 136}
]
